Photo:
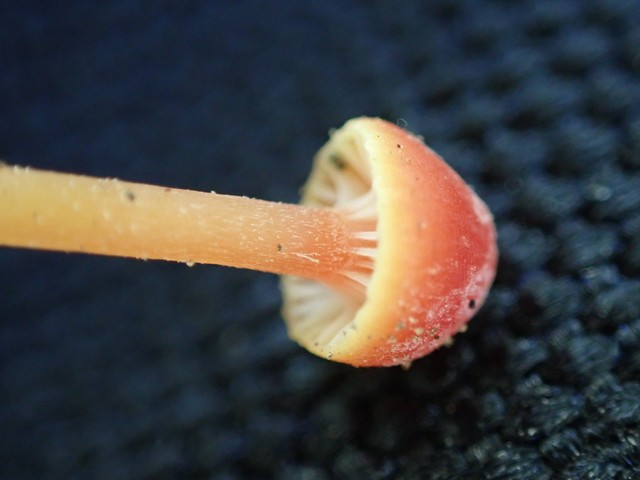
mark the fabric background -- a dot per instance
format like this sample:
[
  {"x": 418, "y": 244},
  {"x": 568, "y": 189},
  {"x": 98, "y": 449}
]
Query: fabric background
[{"x": 118, "y": 369}]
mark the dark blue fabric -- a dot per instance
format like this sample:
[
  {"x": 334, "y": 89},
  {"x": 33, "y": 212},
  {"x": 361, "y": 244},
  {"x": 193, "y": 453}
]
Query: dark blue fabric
[{"x": 117, "y": 369}]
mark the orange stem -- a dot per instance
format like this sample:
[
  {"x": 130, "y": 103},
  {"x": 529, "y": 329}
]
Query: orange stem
[{"x": 54, "y": 211}]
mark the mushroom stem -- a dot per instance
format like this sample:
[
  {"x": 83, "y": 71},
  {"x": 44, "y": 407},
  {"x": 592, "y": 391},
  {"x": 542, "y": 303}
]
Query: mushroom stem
[{"x": 55, "y": 211}]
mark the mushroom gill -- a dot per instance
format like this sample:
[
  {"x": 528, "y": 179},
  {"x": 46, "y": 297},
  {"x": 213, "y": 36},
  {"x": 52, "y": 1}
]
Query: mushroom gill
[{"x": 341, "y": 179}]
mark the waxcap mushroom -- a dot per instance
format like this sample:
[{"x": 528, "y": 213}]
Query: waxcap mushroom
[{"x": 389, "y": 255}]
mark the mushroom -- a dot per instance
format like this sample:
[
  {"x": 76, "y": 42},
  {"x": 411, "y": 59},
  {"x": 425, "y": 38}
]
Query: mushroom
[{"x": 388, "y": 256}]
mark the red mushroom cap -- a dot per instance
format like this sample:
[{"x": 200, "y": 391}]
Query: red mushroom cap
[{"x": 427, "y": 258}]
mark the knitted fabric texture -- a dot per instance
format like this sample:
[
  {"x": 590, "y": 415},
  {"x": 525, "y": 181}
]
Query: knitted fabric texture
[{"x": 122, "y": 369}]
